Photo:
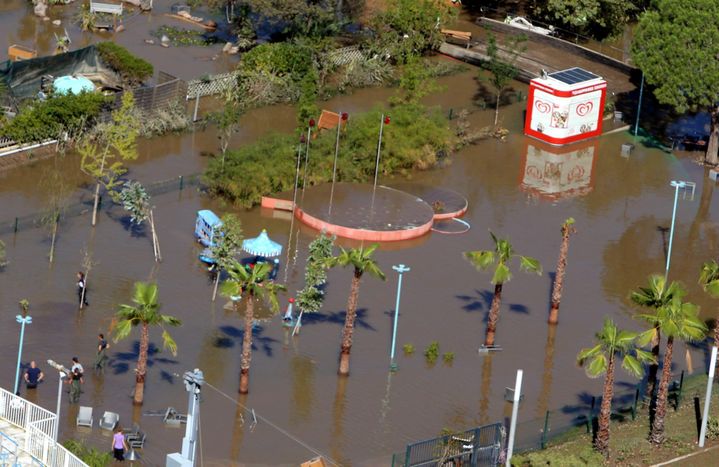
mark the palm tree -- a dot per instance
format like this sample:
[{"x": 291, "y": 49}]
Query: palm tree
[
  {"x": 612, "y": 344},
  {"x": 680, "y": 320},
  {"x": 251, "y": 283},
  {"x": 709, "y": 280},
  {"x": 567, "y": 230},
  {"x": 655, "y": 296},
  {"x": 144, "y": 313},
  {"x": 501, "y": 256},
  {"x": 361, "y": 260}
]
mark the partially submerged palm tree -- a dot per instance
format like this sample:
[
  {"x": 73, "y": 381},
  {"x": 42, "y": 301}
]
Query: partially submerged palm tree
[
  {"x": 145, "y": 313},
  {"x": 500, "y": 258},
  {"x": 136, "y": 201},
  {"x": 612, "y": 344},
  {"x": 656, "y": 295},
  {"x": 709, "y": 280},
  {"x": 249, "y": 285},
  {"x": 676, "y": 320},
  {"x": 567, "y": 230},
  {"x": 227, "y": 244},
  {"x": 312, "y": 296},
  {"x": 360, "y": 259}
]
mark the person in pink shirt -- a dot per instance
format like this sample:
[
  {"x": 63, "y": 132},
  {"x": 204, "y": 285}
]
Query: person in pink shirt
[{"x": 119, "y": 445}]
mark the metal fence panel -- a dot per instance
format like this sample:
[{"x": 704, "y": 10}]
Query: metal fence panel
[{"x": 480, "y": 446}]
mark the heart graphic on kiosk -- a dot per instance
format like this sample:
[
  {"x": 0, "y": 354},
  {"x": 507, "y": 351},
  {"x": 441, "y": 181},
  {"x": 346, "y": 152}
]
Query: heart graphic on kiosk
[
  {"x": 584, "y": 108},
  {"x": 543, "y": 107}
]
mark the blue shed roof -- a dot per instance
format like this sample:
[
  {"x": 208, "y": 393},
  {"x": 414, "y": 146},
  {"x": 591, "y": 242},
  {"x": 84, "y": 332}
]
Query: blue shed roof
[{"x": 209, "y": 217}]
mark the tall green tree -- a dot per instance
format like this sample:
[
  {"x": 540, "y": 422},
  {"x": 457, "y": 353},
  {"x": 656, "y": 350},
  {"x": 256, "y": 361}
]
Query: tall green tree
[
  {"x": 312, "y": 296},
  {"x": 226, "y": 246},
  {"x": 676, "y": 320},
  {"x": 250, "y": 285},
  {"x": 145, "y": 314},
  {"x": 654, "y": 296},
  {"x": 597, "y": 18},
  {"x": 136, "y": 201},
  {"x": 107, "y": 147},
  {"x": 500, "y": 257},
  {"x": 567, "y": 230},
  {"x": 361, "y": 261},
  {"x": 415, "y": 82},
  {"x": 612, "y": 344},
  {"x": 502, "y": 64},
  {"x": 709, "y": 280},
  {"x": 227, "y": 120},
  {"x": 676, "y": 45}
]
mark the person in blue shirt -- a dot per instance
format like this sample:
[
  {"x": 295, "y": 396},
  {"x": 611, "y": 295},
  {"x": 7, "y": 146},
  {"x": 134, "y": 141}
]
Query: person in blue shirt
[{"x": 33, "y": 375}]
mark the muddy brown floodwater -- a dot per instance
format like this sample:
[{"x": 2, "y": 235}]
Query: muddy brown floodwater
[{"x": 516, "y": 188}]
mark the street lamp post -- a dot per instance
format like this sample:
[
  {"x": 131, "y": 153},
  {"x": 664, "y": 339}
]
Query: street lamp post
[
  {"x": 383, "y": 121},
  {"x": 342, "y": 117},
  {"x": 62, "y": 372},
  {"x": 677, "y": 185},
  {"x": 23, "y": 320},
  {"x": 401, "y": 269},
  {"x": 307, "y": 155}
]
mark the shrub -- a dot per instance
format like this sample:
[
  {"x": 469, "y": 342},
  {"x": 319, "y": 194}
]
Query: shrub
[
  {"x": 448, "y": 358},
  {"x": 132, "y": 69},
  {"x": 431, "y": 353},
  {"x": 48, "y": 119},
  {"x": 412, "y": 141},
  {"x": 280, "y": 58},
  {"x": 408, "y": 349},
  {"x": 91, "y": 456}
]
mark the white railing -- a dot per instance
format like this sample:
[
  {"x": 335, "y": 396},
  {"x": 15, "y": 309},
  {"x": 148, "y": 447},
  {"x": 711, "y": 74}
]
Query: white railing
[{"x": 39, "y": 425}]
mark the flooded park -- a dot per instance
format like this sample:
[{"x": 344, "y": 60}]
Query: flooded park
[{"x": 298, "y": 407}]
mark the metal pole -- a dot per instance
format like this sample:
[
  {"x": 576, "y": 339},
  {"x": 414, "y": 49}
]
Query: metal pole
[
  {"x": 307, "y": 161},
  {"x": 197, "y": 104},
  {"x": 513, "y": 424},
  {"x": 297, "y": 176},
  {"x": 57, "y": 410},
  {"x": 401, "y": 269},
  {"x": 334, "y": 165},
  {"x": 379, "y": 148},
  {"x": 639, "y": 105},
  {"x": 707, "y": 399},
  {"x": 676, "y": 186},
  {"x": 22, "y": 322}
]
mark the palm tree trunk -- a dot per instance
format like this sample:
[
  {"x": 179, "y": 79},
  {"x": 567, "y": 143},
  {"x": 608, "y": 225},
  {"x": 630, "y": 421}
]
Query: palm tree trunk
[
  {"x": 348, "y": 329},
  {"x": 559, "y": 278},
  {"x": 54, "y": 236},
  {"x": 141, "y": 365},
  {"x": 601, "y": 442},
  {"x": 654, "y": 367},
  {"x": 247, "y": 346},
  {"x": 493, "y": 316},
  {"x": 496, "y": 108},
  {"x": 656, "y": 436}
]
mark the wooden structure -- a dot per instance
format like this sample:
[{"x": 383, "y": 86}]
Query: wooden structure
[
  {"x": 459, "y": 35},
  {"x": 206, "y": 27},
  {"x": 18, "y": 52},
  {"x": 328, "y": 120},
  {"x": 316, "y": 462},
  {"x": 102, "y": 7}
]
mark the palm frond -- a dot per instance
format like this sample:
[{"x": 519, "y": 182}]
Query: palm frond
[
  {"x": 530, "y": 264},
  {"x": 632, "y": 366},
  {"x": 169, "y": 343},
  {"x": 122, "y": 330},
  {"x": 502, "y": 274},
  {"x": 481, "y": 259}
]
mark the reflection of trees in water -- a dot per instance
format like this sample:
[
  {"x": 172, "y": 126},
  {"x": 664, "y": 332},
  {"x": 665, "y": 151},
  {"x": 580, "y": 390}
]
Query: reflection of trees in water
[
  {"x": 213, "y": 355},
  {"x": 337, "y": 440},
  {"x": 485, "y": 390},
  {"x": 238, "y": 428},
  {"x": 303, "y": 373},
  {"x": 546, "y": 390}
]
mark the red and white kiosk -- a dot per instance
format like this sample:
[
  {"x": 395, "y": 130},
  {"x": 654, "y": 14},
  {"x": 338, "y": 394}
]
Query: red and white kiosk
[{"x": 565, "y": 106}]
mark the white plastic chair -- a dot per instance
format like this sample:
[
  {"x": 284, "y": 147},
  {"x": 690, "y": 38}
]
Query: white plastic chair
[
  {"x": 84, "y": 416},
  {"x": 109, "y": 421}
]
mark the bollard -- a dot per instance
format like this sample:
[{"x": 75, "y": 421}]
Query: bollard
[
  {"x": 99, "y": 202},
  {"x": 182, "y": 184},
  {"x": 16, "y": 225},
  {"x": 591, "y": 415},
  {"x": 544, "y": 431},
  {"x": 634, "y": 405},
  {"x": 451, "y": 111},
  {"x": 679, "y": 392}
]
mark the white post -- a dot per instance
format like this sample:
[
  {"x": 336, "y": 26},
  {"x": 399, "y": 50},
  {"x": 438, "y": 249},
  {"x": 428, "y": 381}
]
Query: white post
[
  {"x": 59, "y": 401},
  {"x": 515, "y": 409},
  {"x": 707, "y": 399}
]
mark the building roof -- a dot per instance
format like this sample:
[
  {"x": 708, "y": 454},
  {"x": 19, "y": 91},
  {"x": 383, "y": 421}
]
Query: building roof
[{"x": 570, "y": 79}]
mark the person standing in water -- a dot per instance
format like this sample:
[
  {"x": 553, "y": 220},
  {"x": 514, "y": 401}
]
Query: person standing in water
[
  {"x": 75, "y": 381},
  {"x": 102, "y": 347},
  {"x": 119, "y": 445},
  {"x": 81, "y": 289}
]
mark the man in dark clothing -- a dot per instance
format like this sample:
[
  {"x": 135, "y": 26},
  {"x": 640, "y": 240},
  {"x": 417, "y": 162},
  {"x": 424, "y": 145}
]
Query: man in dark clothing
[
  {"x": 102, "y": 347},
  {"x": 33, "y": 376},
  {"x": 81, "y": 289}
]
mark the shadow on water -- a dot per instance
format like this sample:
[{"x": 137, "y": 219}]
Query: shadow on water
[
  {"x": 338, "y": 318},
  {"x": 482, "y": 301},
  {"x": 120, "y": 361},
  {"x": 234, "y": 337}
]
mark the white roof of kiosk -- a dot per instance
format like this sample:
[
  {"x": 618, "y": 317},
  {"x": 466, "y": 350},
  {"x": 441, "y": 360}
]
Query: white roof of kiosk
[{"x": 570, "y": 79}]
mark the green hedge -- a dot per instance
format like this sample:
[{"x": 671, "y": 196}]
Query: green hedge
[
  {"x": 412, "y": 140},
  {"x": 132, "y": 69},
  {"x": 42, "y": 120}
]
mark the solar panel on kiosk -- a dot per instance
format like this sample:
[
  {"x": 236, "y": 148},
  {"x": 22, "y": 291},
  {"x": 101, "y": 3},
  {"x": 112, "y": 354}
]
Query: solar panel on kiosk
[{"x": 573, "y": 76}]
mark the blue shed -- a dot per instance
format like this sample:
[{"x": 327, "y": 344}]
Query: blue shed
[{"x": 206, "y": 226}]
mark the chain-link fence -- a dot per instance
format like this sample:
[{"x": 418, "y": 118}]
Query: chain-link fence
[{"x": 79, "y": 208}]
